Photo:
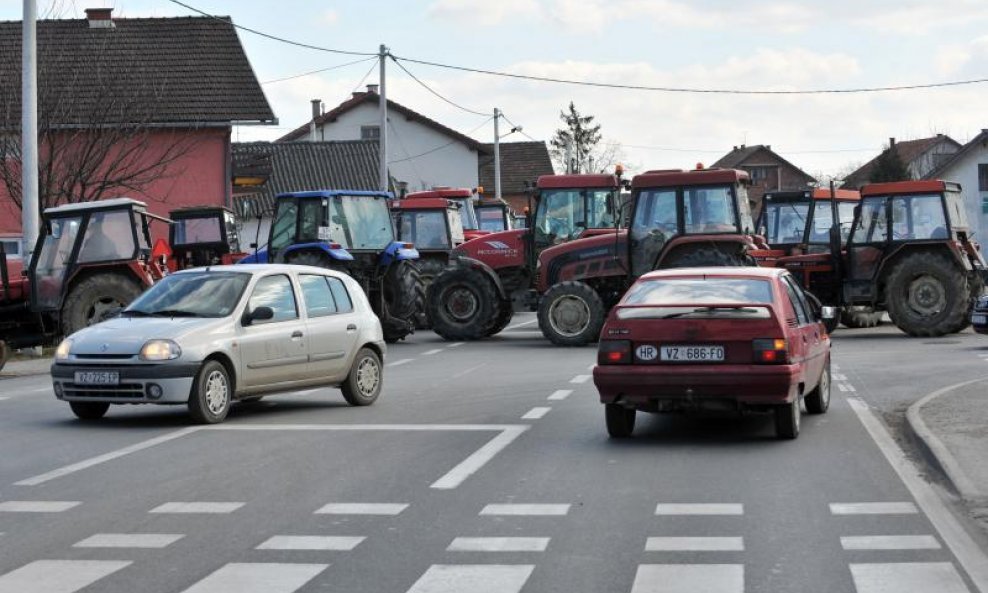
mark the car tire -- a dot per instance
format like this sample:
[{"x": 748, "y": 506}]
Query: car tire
[
  {"x": 212, "y": 392},
  {"x": 620, "y": 420},
  {"x": 363, "y": 384},
  {"x": 787, "y": 420},
  {"x": 571, "y": 313},
  {"x": 818, "y": 400},
  {"x": 89, "y": 410}
]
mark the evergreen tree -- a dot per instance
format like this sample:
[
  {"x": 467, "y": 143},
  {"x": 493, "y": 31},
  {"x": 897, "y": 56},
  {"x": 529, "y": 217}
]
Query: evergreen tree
[
  {"x": 581, "y": 136},
  {"x": 889, "y": 167}
]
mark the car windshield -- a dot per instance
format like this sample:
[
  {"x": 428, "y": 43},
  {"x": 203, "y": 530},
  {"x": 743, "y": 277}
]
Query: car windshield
[
  {"x": 699, "y": 291},
  {"x": 191, "y": 294},
  {"x": 361, "y": 222}
]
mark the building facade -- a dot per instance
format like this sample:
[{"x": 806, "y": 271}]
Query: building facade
[{"x": 969, "y": 167}]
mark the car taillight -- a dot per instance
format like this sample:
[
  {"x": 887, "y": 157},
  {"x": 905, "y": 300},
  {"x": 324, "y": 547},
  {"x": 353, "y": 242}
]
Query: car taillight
[
  {"x": 771, "y": 351},
  {"x": 614, "y": 352}
]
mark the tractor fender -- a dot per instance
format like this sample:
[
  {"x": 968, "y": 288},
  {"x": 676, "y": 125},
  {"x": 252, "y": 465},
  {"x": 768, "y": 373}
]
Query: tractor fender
[
  {"x": 397, "y": 251},
  {"x": 258, "y": 257},
  {"x": 338, "y": 254},
  {"x": 461, "y": 261}
]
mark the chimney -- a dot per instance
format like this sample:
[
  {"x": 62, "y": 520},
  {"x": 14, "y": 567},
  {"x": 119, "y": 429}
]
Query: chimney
[
  {"x": 372, "y": 88},
  {"x": 316, "y": 112},
  {"x": 892, "y": 142},
  {"x": 99, "y": 18}
]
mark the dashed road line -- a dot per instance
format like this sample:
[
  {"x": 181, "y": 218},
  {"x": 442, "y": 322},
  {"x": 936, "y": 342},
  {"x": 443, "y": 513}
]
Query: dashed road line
[
  {"x": 536, "y": 413},
  {"x": 431, "y": 352},
  {"x": 580, "y": 379},
  {"x": 456, "y": 344},
  {"x": 399, "y": 362},
  {"x": 362, "y": 508},
  {"x": 560, "y": 394},
  {"x": 529, "y": 510},
  {"x": 523, "y": 323}
]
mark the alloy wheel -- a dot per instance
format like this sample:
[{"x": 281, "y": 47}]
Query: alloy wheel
[{"x": 217, "y": 392}]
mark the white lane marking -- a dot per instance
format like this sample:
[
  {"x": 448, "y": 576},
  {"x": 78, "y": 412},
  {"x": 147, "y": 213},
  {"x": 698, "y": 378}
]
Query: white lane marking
[
  {"x": 907, "y": 577},
  {"x": 839, "y": 377},
  {"x": 689, "y": 578},
  {"x": 536, "y": 413},
  {"x": 523, "y": 324},
  {"x": 478, "y": 459},
  {"x": 362, "y": 508},
  {"x": 431, "y": 352},
  {"x": 37, "y": 506},
  {"x": 890, "y": 542},
  {"x": 560, "y": 394},
  {"x": 971, "y": 557},
  {"x": 526, "y": 509},
  {"x": 75, "y": 467},
  {"x": 129, "y": 540},
  {"x": 873, "y": 508},
  {"x": 3, "y": 397},
  {"x": 260, "y": 577},
  {"x": 473, "y": 578},
  {"x": 311, "y": 542},
  {"x": 580, "y": 379},
  {"x": 469, "y": 370},
  {"x": 456, "y": 345},
  {"x": 399, "y": 362},
  {"x": 696, "y": 508},
  {"x": 57, "y": 576},
  {"x": 842, "y": 387},
  {"x": 498, "y": 544},
  {"x": 181, "y": 508},
  {"x": 694, "y": 544},
  {"x": 849, "y": 387}
]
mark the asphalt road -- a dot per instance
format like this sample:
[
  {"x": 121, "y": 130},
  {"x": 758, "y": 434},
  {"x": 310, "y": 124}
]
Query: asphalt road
[{"x": 485, "y": 468}]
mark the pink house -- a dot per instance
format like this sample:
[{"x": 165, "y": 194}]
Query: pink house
[{"x": 154, "y": 98}]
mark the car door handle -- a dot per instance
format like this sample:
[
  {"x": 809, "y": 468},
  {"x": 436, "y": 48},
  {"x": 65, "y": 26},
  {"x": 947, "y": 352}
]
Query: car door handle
[
  {"x": 296, "y": 334},
  {"x": 351, "y": 328}
]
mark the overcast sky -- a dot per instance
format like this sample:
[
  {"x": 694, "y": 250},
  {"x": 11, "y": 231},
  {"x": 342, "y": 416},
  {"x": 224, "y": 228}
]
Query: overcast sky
[{"x": 705, "y": 44}]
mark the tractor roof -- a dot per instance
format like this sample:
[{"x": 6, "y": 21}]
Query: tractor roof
[
  {"x": 842, "y": 195},
  {"x": 909, "y": 187},
  {"x": 423, "y": 204},
  {"x": 576, "y": 181},
  {"x": 192, "y": 211},
  {"x": 673, "y": 177},
  {"x": 441, "y": 192},
  {"x": 330, "y": 193},
  {"x": 98, "y": 205}
]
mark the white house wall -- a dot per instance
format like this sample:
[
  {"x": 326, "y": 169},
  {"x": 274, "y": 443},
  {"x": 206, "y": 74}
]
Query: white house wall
[
  {"x": 965, "y": 172},
  {"x": 453, "y": 165}
]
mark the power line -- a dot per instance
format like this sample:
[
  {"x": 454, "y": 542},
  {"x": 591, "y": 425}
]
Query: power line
[
  {"x": 517, "y": 127},
  {"x": 428, "y": 88},
  {"x": 361, "y": 83},
  {"x": 272, "y": 37},
  {"x": 663, "y": 89},
  {"x": 311, "y": 72},
  {"x": 721, "y": 151},
  {"x": 438, "y": 148}
]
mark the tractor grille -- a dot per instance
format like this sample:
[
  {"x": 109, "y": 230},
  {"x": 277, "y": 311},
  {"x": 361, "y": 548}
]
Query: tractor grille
[{"x": 122, "y": 391}]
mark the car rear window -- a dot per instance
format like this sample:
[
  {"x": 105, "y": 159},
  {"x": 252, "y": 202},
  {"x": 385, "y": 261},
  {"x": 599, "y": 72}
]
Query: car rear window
[{"x": 699, "y": 291}]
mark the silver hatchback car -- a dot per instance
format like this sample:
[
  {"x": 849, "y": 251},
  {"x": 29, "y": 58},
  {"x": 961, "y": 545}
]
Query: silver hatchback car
[{"x": 210, "y": 336}]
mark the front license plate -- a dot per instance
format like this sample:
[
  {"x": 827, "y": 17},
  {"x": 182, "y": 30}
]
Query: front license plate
[
  {"x": 691, "y": 353},
  {"x": 97, "y": 377},
  {"x": 979, "y": 319}
]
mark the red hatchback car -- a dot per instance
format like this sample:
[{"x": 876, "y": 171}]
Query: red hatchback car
[{"x": 742, "y": 339}]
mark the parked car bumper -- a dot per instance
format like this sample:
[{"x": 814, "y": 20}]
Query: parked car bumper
[
  {"x": 139, "y": 384},
  {"x": 720, "y": 387},
  {"x": 979, "y": 321}
]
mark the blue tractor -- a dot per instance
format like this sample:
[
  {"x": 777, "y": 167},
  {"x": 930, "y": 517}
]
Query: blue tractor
[{"x": 350, "y": 231}]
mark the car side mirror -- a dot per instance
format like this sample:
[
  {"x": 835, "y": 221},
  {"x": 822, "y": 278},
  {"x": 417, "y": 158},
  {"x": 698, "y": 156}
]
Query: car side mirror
[
  {"x": 828, "y": 313},
  {"x": 259, "y": 314}
]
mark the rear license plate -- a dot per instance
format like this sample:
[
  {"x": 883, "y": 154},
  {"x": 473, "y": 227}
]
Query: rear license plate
[
  {"x": 97, "y": 377},
  {"x": 979, "y": 319},
  {"x": 691, "y": 353}
]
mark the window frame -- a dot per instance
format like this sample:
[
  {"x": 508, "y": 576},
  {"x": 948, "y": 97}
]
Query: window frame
[
  {"x": 332, "y": 297},
  {"x": 330, "y": 280},
  {"x": 291, "y": 286}
]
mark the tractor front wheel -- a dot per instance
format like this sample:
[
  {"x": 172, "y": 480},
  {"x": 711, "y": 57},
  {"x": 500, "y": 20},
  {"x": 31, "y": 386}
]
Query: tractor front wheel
[
  {"x": 94, "y": 298},
  {"x": 571, "y": 314},
  {"x": 860, "y": 317},
  {"x": 404, "y": 299},
  {"x": 927, "y": 295},
  {"x": 462, "y": 304}
]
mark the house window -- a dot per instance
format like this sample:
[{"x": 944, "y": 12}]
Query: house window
[
  {"x": 370, "y": 132},
  {"x": 983, "y": 177},
  {"x": 759, "y": 174},
  {"x": 984, "y": 204}
]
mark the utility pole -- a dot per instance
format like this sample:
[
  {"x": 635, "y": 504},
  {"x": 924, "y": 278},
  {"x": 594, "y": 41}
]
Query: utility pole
[
  {"x": 29, "y": 129},
  {"x": 497, "y": 154},
  {"x": 382, "y": 102}
]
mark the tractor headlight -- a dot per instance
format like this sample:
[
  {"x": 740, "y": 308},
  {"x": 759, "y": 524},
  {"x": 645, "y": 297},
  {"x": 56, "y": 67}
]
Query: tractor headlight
[
  {"x": 160, "y": 350},
  {"x": 63, "y": 350}
]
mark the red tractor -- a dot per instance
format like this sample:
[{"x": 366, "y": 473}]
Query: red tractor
[
  {"x": 910, "y": 253},
  {"x": 493, "y": 215},
  {"x": 678, "y": 219},
  {"x": 474, "y": 298},
  {"x": 466, "y": 199},
  {"x": 203, "y": 236},
  {"x": 90, "y": 260}
]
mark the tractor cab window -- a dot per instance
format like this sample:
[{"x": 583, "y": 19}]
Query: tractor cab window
[
  {"x": 560, "y": 217},
  {"x": 601, "y": 210},
  {"x": 955, "y": 211},
  {"x": 823, "y": 219},
  {"x": 468, "y": 213},
  {"x": 53, "y": 260},
  {"x": 654, "y": 223},
  {"x": 283, "y": 227},
  {"x": 425, "y": 228},
  {"x": 364, "y": 222},
  {"x": 744, "y": 208},
  {"x": 872, "y": 222},
  {"x": 918, "y": 217},
  {"x": 232, "y": 234},
  {"x": 109, "y": 236},
  {"x": 311, "y": 219},
  {"x": 709, "y": 210},
  {"x": 188, "y": 231},
  {"x": 784, "y": 222},
  {"x": 491, "y": 218}
]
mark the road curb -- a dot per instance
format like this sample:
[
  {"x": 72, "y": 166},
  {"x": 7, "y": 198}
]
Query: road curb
[
  {"x": 12, "y": 372},
  {"x": 934, "y": 447}
]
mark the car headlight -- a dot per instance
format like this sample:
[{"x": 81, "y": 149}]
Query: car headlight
[
  {"x": 63, "y": 350},
  {"x": 160, "y": 350}
]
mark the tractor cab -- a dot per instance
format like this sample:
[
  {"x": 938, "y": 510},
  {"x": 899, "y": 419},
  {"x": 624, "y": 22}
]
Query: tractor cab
[
  {"x": 431, "y": 224},
  {"x": 799, "y": 222},
  {"x": 566, "y": 207},
  {"x": 465, "y": 198},
  {"x": 203, "y": 236},
  {"x": 494, "y": 215}
]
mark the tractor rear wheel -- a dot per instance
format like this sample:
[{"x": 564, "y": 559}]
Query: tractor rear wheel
[
  {"x": 707, "y": 256},
  {"x": 404, "y": 299},
  {"x": 505, "y": 312},
  {"x": 93, "y": 298},
  {"x": 462, "y": 304},
  {"x": 571, "y": 314},
  {"x": 860, "y": 317},
  {"x": 431, "y": 268},
  {"x": 928, "y": 295}
]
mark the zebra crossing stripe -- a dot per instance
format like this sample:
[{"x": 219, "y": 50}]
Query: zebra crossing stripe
[
  {"x": 36, "y": 506},
  {"x": 525, "y": 509},
  {"x": 873, "y": 508},
  {"x": 890, "y": 542},
  {"x": 362, "y": 508},
  {"x": 473, "y": 578},
  {"x": 907, "y": 577},
  {"x": 129, "y": 540},
  {"x": 694, "y": 544},
  {"x": 689, "y": 578},
  {"x": 58, "y": 576},
  {"x": 498, "y": 544},
  {"x": 311, "y": 542},
  {"x": 258, "y": 577},
  {"x": 692, "y": 508},
  {"x": 197, "y": 507}
]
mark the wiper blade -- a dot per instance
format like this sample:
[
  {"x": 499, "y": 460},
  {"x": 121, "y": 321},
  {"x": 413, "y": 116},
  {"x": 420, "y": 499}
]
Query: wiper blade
[
  {"x": 174, "y": 313},
  {"x": 739, "y": 309},
  {"x": 135, "y": 313}
]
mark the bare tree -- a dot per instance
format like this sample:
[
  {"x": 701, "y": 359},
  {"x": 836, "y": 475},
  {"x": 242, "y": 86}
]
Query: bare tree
[{"x": 100, "y": 132}]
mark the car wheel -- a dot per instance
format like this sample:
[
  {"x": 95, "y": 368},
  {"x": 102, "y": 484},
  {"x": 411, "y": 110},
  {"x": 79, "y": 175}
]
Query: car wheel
[
  {"x": 89, "y": 410},
  {"x": 209, "y": 402},
  {"x": 818, "y": 400},
  {"x": 787, "y": 418},
  {"x": 620, "y": 420},
  {"x": 363, "y": 384}
]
